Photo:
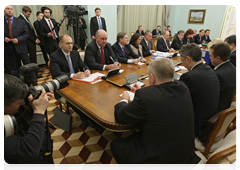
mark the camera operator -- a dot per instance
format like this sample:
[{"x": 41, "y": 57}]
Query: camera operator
[{"x": 29, "y": 143}]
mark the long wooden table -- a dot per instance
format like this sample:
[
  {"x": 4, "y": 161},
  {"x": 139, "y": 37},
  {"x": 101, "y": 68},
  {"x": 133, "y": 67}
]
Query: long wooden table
[{"x": 98, "y": 100}]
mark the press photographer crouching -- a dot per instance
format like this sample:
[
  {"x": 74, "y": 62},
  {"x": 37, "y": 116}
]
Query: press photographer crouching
[{"x": 31, "y": 143}]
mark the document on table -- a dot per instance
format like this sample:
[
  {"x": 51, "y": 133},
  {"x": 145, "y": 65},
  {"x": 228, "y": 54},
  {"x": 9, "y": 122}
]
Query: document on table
[
  {"x": 131, "y": 94},
  {"x": 93, "y": 77},
  {"x": 182, "y": 67}
]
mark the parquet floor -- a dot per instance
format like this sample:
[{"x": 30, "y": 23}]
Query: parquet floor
[{"x": 84, "y": 145}]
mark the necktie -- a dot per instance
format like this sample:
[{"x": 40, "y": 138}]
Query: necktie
[
  {"x": 29, "y": 23},
  {"x": 54, "y": 35},
  {"x": 167, "y": 44},
  {"x": 200, "y": 37},
  {"x": 99, "y": 23},
  {"x": 10, "y": 28},
  {"x": 102, "y": 56},
  {"x": 149, "y": 47},
  {"x": 123, "y": 52},
  {"x": 70, "y": 65}
]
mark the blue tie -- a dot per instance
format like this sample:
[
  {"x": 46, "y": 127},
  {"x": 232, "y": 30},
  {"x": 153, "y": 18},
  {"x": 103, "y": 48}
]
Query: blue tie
[
  {"x": 70, "y": 64},
  {"x": 99, "y": 23}
]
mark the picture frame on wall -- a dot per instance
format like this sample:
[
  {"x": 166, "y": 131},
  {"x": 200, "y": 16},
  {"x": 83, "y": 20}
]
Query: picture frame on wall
[{"x": 196, "y": 16}]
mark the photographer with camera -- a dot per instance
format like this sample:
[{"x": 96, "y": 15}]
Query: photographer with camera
[{"x": 31, "y": 143}]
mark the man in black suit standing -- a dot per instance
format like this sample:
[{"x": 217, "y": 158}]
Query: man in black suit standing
[
  {"x": 49, "y": 35},
  {"x": 157, "y": 32},
  {"x": 97, "y": 22},
  {"x": 123, "y": 51},
  {"x": 203, "y": 84},
  {"x": 140, "y": 30},
  {"x": 166, "y": 121},
  {"x": 15, "y": 47},
  {"x": 226, "y": 72},
  {"x": 163, "y": 43},
  {"x": 198, "y": 37},
  {"x": 177, "y": 42},
  {"x": 99, "y": 54},
  {"x": 206, "y": 37},
  {"x": 231, "y": 40},
  {"x": 146, "y": 43}
]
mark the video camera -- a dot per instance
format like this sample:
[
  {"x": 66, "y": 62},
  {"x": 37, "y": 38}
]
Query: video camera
[{"x": 75, "y": 11}]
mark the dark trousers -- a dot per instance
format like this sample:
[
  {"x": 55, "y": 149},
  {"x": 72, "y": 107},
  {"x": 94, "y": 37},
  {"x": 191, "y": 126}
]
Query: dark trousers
[
  {"x": 53, "y": 48},
  {"x": 44, "y": 52}
]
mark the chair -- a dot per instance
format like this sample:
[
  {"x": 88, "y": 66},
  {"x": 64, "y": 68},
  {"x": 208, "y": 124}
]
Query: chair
[
  {"x": 154, "y": 45},
  {"x": 227, "y": 148},
  {"x": 82, "y": 54},
  {"x": 218, "y": 132},
  {"x": 234, "y": 99},
  {"x": 132, "y": 33},
  {"x": 62, "y": 100}
]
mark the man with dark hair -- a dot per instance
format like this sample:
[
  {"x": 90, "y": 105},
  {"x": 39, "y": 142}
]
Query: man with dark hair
[
  {"x": 29, "y": 144},
  {"x": 97, "y": 22},
  {"x": 206, "y": 37},
  {"x": 231, "y": 40},
  {"x": 163, "y": 44},
  {"x": 170, "y": 32},
  {"x": 156, "y": 32},
  {"x": 140, "y": 30},
  {"x": 146, "y": 43},
  {"x": 226, "y": 72},
  {"x": 177, "y": 42},
  {"x": 123, "y": 51},
  {"x": 203, "y": 84},
  {"x": 198, "y": 37}
]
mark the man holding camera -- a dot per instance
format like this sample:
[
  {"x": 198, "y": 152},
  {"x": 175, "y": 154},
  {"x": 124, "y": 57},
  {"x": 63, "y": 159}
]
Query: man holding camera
[{"x": 31, "y": 143}]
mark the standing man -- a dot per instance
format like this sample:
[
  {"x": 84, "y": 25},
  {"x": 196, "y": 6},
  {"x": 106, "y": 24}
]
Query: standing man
[
  {"x": 198, "y": 37},
  {"x": 46, "y": 31},
  {"x": 231, "y": 40},
  {"x": 97, "y": 23},
  {"x": 163, "y": 44},
  {"x": 140, "y": 30},
  {"x": 98, "y": 52},
  {"x": 206, "y": 37},
  {"x": 226, "y": 72},
  {"x": 203, "y": 85},
  {"x": 177, "y": 42},
  {"x": 146, "y": 43},
  {"x": 156, "y": 32}
]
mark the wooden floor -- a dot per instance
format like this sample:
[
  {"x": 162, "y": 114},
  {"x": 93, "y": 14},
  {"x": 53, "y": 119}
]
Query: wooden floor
[{"x": 84, "y": 145}]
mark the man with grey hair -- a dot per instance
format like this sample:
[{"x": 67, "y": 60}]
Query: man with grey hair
[
  {"x": 163, "y": 44},
  {"x": 203, "y": 84},
  {"x": 166, "y": 133},
  {"x": 146, "y": 43}
]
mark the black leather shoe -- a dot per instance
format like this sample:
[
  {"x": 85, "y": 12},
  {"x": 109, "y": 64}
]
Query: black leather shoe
[{"x": 92, "y": 124}]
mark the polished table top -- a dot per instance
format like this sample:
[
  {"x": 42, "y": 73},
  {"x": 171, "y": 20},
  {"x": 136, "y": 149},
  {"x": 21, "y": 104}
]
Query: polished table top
[{"x": 98, "y": 100}]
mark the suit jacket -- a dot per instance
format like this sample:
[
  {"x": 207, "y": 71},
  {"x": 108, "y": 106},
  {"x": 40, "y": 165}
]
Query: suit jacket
[
  {"x": 227, "y": 78},
  {"x": 20, "y": 32},
  {"x": 233, "y": 58},
  {"x": 206, "y": 39},
  {"x": 163, "y": 128},
  {"x": 145, "y": 49},
  {"x": 135, "y": 50},
  {"x": 59, "y": 64},
  {"x": 197, "y": 39},
  {"x": 141, "y": 33},
  {"x": 186, "y": 41},
  {"x": 94, "y": 25},
  {"x": 117, "y": 50},
  {"x": 161, "y": 45},
  {"x": 176, "y": 44},
  {"x": 154, "y": 32},
  {"x": 36, "y": 25},
  {"x": 203, "y": 84},
  {"x": 93, "y": 58}
]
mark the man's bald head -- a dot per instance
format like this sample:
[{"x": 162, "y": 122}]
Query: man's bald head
[
  {"x": 101, "y": 37},
  {"x": 8, "y": 11}
]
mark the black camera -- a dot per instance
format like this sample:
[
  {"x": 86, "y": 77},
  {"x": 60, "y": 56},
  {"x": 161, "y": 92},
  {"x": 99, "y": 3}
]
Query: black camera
[
  {"x": 75, "y": 10},
  {"x": 10, "y": 125}
]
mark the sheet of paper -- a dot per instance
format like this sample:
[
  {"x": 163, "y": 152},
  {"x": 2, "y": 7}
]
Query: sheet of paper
[
  {"x": 120, "y": 71},
  {"x": 131, "y": 94},
  {"x": 140, "y": 63},
  {"x": 182, "y": 67},
  {"x": 90, "y": 78}
]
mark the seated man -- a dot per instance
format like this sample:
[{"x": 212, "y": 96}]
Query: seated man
[
  {"x": 198, "y": 37},
  {"x": 157, "y": 32},
  {"x": 203, "y": 84},
  {"x": 177, "y": 42},
  {"x": 123, "y": 51},
  {"x": 166, "y": 120},
  {"x": 98, "y": 52},
  {"x": 206, "y": 37},
  {"x": 140, "y": 30},
  {"x": 231, "y": 40},
  {"x": 147, "y": 47},
  {"x": 163, "y": 43},
  {"x": 226, "y": 72}
]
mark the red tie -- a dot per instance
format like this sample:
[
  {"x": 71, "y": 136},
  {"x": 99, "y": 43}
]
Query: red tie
[
  {"x": 102, "y": 56},
  {"x": 167, "y": 44},
  {"x": 10, "y": 28},
  {"x": 54, "y": 35}
]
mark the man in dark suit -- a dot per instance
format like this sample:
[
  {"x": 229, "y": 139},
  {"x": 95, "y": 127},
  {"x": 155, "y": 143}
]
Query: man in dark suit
[
  {"x": 177, "y": 42},
  {"x": 166, "y": 133},
  {"x": 203, "y": 84},
  {"x": 50, "y": 36},
  {"x": 231, "y": 40},
  {"x": 123, "y": 51},
  {"x": 140, "y": 30},
  {"x": 206, "y": 37},
  {"x": 97, "y": 23},
  {"x": 146, "y": 43},
  {"x": 168, "y": 29},
  {"x": 41, "y": 44},
  {"x": 226, "y": 72},
  {"x": 15, "y": 47},
  {"x": 163, "y": 43},
  {"x": 98, "y": 52},
  {"x": 198, "y": 37},
  {"x": 157, "y": 32}
]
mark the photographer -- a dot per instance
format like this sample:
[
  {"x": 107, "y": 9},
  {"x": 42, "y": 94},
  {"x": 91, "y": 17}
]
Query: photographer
[{"x": 29, "y": 144}]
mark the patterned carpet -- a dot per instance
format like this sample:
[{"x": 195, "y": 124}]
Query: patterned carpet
[{"x": 84, "y": 145}]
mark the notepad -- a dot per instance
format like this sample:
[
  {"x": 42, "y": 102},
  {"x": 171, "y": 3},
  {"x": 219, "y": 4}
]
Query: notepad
[
  {"x": 131, "y": 94},
  {"x": 93, "y": 77}
]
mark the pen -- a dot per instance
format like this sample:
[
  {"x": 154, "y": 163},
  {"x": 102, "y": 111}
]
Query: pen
[
  {"x": 114, "y": 62},
  {"x": 84, "y": 69}
]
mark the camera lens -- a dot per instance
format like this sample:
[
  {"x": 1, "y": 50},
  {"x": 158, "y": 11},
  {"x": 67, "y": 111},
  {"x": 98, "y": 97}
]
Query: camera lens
[{"x": 10, "y": 125}]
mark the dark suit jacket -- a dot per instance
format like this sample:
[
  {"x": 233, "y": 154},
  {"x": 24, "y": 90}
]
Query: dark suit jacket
[
  {"x": 119, "y": 52},
  {"x": 59, "y": 64},
  {"x": 197, "y": 39},
  {"x": 37, "y": 28},
  {"x": 176, "y": 44},
  {"x": 206, "y": 39},
  {"x": 20, "y": 32},
  {"x": 94, "y": 25},
  {"x": 93, "y": 58},
  {"x": 203, "y": 84},
  {"x": 233, "y": 58},
  {"x": 154, "y": 32},
  {"x": 145, "y": 50},
  {"x": 185, "y": 40},
  {"x": 227, "y": 78},
  {"x": 141, "y": 33},
  {"x": 161, "y": 45},
  {"x": 164, "y": 128}
]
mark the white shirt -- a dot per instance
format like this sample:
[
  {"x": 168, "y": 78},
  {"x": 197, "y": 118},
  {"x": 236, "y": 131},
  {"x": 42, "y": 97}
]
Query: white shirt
[
  {"x": 65, "y": 54},
  {"x": 166, "y": 43},
  {"x": 49, "y": 25}
]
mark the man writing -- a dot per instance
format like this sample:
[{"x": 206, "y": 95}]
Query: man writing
[
  {"x": 147, "y": 47},
  {"x": 163, "y": 43}
]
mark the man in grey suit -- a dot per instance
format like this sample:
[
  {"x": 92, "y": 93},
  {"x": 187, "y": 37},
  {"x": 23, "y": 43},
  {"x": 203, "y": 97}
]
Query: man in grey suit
[{"x": 146, "y": 43}]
